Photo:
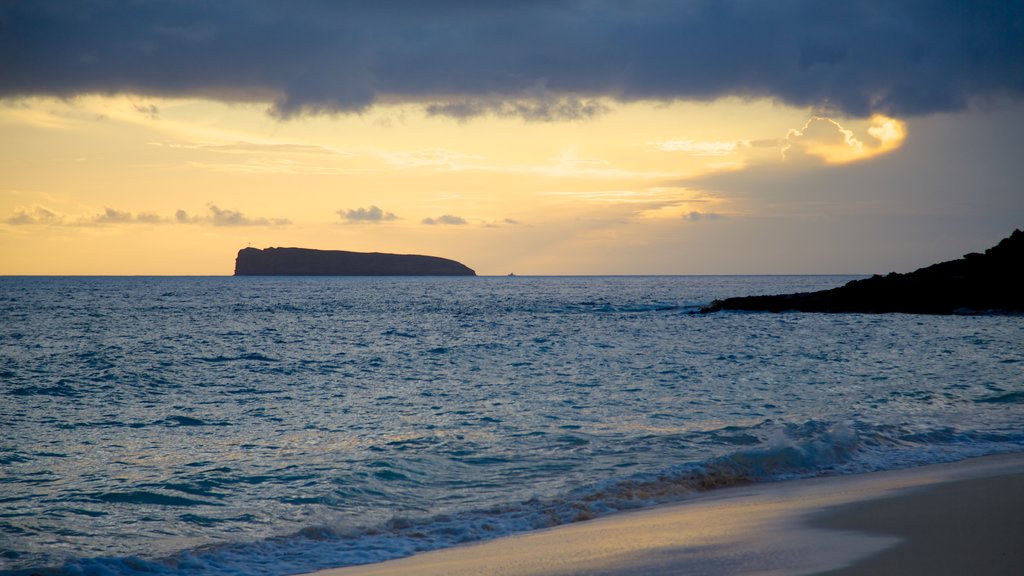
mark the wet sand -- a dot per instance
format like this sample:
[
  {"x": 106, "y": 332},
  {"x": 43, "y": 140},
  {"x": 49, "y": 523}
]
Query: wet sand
[
  {"x": 960, "y": 518},
  {"x": 964, "y": 527}
]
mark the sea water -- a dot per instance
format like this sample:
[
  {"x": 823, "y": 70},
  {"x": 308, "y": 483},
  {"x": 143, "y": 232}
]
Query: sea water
[{"x": 280, "y": 425}]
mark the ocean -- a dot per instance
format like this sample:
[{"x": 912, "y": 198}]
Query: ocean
[{"x": 273, "y": 426}]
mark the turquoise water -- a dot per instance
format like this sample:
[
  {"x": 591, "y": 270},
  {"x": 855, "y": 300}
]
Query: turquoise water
[{"x": 279, "y": 425}]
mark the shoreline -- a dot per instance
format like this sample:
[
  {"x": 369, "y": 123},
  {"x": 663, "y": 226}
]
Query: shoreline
[{"x": 873, "y": 523}]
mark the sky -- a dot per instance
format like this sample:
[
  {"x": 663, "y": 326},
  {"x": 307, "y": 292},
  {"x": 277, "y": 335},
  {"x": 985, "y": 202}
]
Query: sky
[{"x": 536, "y": 137}]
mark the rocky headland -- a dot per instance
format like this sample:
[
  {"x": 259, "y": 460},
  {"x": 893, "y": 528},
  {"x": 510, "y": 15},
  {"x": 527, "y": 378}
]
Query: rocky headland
[
  {"x": 992, "y": 282},
  {"x": 309, "y": 262}
]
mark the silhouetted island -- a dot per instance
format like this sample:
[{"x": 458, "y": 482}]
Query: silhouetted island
[
  {"x": 308, "y": 262},
  {"x": 992, "y": 282}
]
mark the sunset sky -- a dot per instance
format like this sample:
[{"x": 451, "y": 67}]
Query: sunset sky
[{"x": 699, "y": 137}]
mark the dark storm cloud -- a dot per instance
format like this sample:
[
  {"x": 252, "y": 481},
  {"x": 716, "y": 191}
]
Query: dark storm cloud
[{"x": 536, "y": 59}]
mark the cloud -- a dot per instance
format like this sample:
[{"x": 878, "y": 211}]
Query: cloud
[
  {"x": 539, "y": 60},
  {"x": 112, "y": 216},
  {"x": 502, "y": 223},
  {"x": 371, "y": 214},
  {"x": 221, "y": 217},
  {"x": 825, "y": 140},
  {"x": 151, "y": 111},
  {"x": 446, "y": 219},
  {"x": 694, "y": 216},
  {"x": 979, "y": 158},
  {"x": 762, "y": 143},
  {"x": 39, "y": 215},
  {"x": 34, "y": 215},
  {"x": 818, "y": 139},
  {"x": 544, "y": 108},
  {"x": 267, "y": 157}
]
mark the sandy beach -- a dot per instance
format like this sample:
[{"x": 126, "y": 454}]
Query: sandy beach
[{"x": 958, "y": 518}]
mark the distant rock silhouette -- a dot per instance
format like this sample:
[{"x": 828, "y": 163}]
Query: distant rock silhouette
[
  {"x": 976, "y": 283},
  {"x": 308, "y": 262}
]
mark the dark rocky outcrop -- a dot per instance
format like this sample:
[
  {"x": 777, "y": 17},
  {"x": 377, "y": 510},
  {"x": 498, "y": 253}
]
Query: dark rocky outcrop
[
  {"x": 307, "y": 262},
  {"x": 976, "y": 283}
]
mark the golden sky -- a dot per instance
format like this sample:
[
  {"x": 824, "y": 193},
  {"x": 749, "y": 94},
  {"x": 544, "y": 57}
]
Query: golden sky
[{"x": 132, "y": 185}]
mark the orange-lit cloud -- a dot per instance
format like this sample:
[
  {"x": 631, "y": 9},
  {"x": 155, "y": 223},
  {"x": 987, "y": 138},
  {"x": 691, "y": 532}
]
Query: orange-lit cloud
[{"x": 826, "y": 140}]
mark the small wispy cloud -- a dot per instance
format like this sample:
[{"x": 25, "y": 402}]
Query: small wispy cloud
[
  {"x": 216, "y": 216},
  {"x": 269, "y": 157},
  {"x": 33, "y": 216},
  {"x": 151, "y": 111},
  {"x": 224, "y": 217},
  {"x": 373, "y": 214},
  {"x": 448, "y": 219},
  {"x": 763, "y": 143},
  {"x": 502, "y": 223},
  {"x": 695, "y": 216},
  {"x": 113, "y": 216},
  {"x": 40, "y": 215}
]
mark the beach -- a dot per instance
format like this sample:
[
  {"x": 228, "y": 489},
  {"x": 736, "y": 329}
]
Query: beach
[{"x": 956, "y": 518}]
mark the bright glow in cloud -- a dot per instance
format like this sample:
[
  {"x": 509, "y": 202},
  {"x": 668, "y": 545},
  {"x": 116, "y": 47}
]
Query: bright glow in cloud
[
  {"x": 825, "y": 140},
  {"x": 888, "y": 132}
]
